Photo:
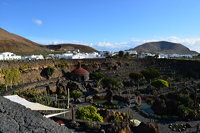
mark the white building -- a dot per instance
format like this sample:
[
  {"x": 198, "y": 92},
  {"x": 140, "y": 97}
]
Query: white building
[
  {"x": 34, "y": 57},
  {"x": 105, "y": 53},
  {"x": 131, "y": 52},
  {"x": 9, "y": 56},
  {"x": 163, "y": 56},
  {"x": 180, "y": 56},
  {"x": 76, "y": 55},
  {"x": 143, "y": 55}
]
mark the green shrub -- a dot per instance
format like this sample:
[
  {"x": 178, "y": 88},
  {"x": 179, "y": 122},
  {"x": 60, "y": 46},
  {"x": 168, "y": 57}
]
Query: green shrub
[
  {"x": 92, "y": 125},
  {"x": 117, "y": 119},
  {"x": 62, "y": 64},
  {"x": 15, "y": 92},
  {"x": 24, "y": 67},
  {"x": 185, "y": 100},
  {"x": 97, "y": 76},
  {"x": 183, "y": 111},
  {"x": 150, "y": 74},
  {"x": 109, "y": 83},
  {"x": 137, "y": 93},
  {"x": 76, "y": 94},
  {"x": 88, "y": 113},
  {"x": 47, "y": 72},
  {"x": 160, "y": 83},
  {"x": 11, "y": 76},
  {"x": 2, "y": 87},
  {"x": 149, "y": 100},
  {"x": 59, "y": 90}
]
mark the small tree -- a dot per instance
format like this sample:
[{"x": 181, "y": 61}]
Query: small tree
[
  {"x": 47, "y": 72},
  {"x": 150, "y": 74},
  {"x": 97, "y": 76},
  {"x": 127, "y": 55},
  {"x": 185, "y": 100},
  {"x": 11, "y": 76},
  {"x": 88, "y": 113},
  {"x": 121, "y": 54},
  {"x": 136, "y": 77},
  {"x": 183, "y": 111},
  {"x": 109, "y": 83},
  {"x": 59, "y": 90},
  {"x": 73, "y": 86},
  {"x": 76, "y": 94},
  {"x": 160, "y": 83}
]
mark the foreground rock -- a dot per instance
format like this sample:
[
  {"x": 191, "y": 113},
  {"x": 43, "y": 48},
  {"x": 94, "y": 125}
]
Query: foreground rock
[
  {"x": 15, "y": 118},
  {"x": 146, "y": 128}
]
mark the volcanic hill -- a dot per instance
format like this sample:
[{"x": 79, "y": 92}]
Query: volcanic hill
[
  {"x": 10, "y": 42},
  {"x": 163, "y": 47},
  {"x": 71, "y": 47}
]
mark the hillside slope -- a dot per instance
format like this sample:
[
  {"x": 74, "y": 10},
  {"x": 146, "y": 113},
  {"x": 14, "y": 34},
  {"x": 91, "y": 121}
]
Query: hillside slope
[
  {"x": 10, "y": 42},
  {"x": 71, "y": 47},
  {"x": 164, "y": 47},
  {"x": 13, "y": 43}
]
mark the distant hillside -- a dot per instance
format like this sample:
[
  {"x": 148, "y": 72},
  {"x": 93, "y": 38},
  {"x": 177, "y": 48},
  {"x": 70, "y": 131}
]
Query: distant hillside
[
  {"x": 163, "y": 47},
  {"x": 71, "y": 47},
  {"x": 13, "y": 43},
  {"x": 10, "y": 42}
]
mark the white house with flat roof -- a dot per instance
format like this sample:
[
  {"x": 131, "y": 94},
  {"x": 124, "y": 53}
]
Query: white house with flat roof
[
  {"x": 9, "y": 56},
  {"x": 131, "y": 52},
  {"x": 34, "y": 57}
]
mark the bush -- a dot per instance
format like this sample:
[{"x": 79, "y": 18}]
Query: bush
[
  {"x": 15, "y": 92},
  {"x": 2, "y": 87},
  {"x": 74, "y": 124},
  {"x": 185, "y": 100},
  {"x": 109, "y": 83},
  {"x": 62, "y": 64},
  {"x": 59, "y": 90},
  {"x": 183, "y": 111},
  {"x": 149, "y": 100},
  {"x": 117, "y": 119},
  {"x": 150, "y": 74},
  {"x": 160, "y": 83},
  {"x": 76, "y": 94},
  {"x": 137, "y": 93},
  {"x": 92, "y": 125},
  {"x": 88, "y": 113},
  {"x": 47, "y": 72},
  {"x": 97, "y": 76}
]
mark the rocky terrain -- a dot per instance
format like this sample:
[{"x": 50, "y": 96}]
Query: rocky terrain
[
  {"x": 164, "y": 47},
  {"x": 15, "y": 118}
]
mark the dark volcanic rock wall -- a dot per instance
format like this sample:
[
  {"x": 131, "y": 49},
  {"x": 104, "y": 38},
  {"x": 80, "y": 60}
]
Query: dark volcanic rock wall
[
  {"x": 117, "y": 68},
  {"x": 15, "y": 118}
]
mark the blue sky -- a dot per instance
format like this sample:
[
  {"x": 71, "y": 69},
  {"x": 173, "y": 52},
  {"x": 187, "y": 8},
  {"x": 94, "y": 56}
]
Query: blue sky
[{"x": 103, "y": 24}]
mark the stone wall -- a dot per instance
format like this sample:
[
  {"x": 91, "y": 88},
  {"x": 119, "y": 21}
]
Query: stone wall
[{"x": 118, "y": 68}]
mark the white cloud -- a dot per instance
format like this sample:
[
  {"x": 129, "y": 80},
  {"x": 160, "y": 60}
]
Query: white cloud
[
  {"x": 111, "y": 46},
  {"x": 37, "y": 21}
]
